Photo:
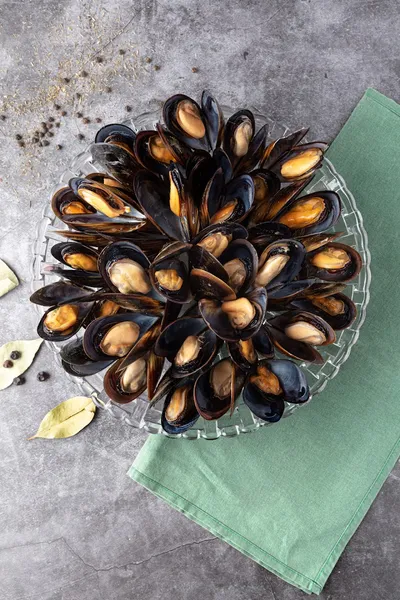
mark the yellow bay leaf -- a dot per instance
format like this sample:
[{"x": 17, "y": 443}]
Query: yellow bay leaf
[
  {"x": 8, "y": 279},
  {"x": 66, "y": 419},
  {"x": 27, "y": 350}
]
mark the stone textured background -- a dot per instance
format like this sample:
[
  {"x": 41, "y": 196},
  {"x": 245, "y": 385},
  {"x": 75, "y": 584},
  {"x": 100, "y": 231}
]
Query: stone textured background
[{"x": 73, "y": 526}]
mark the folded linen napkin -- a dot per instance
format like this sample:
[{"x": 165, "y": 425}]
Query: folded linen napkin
[{"x": 312, "y": 477}]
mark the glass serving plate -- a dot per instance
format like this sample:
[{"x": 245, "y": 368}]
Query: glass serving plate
[{"x": 138, "y": 413}]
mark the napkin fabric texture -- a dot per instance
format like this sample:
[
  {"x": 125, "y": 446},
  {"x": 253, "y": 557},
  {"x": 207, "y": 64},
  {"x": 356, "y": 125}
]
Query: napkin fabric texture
[{"x": 290, "y": 496}]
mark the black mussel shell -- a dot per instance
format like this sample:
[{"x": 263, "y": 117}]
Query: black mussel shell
[
  {"x": 63, "y": 250},
  {"x": 338, "y": 310},
  {"x": 245, "y": 257},
  {"x": 215, "y": 238},
  {"x": 212, "y": 402},
  {"x": 288, "y": 250},
  {"x": 116, "y": 160},
  {"x": 255, "y": 152},
  {"x": 274, "y": 382},
  {"x": 348, "y": 272},
  {"x": 82, "y": 311},
  {"x": 97, "y": 329},
  {"x": 293, "y": 348},
  {"x": 76, "y": 362},
  {"x": 112, "y": 382},
  {"x": 130, "y": 302},
  {"x": 265, "y": 233},
  {"x": 316, "y": 153},
  {"x": 316, "y": 240},
  {"x": 243, "y": 353},
  {"x": 170, "y": 108},
  {"x": 77, "y": 276},
  {"x": 221, "y": 161},
  {"x": 279, "y": 297},
  {"x": 85, "y": 237},
  {"x": 107, "y": 180},
  {"x": 230, "y": 145},
  {"x": 180, "y": 151},
  {"x": 153, "y": 197},
  {"x": 267, "y": 206},
  {"x": 115, "y": 131},
  {"x": 211, "y": 199},
  {"x": 330, "y": 213},
  {"x": 237, "y": 202},
  {"x": 214, "y": 119},
  {"x": 215, "y": 315},
  {"x": 63, "y": 198},
  {"x": 290, "y": 318},
  {"x": 119, "y": 251},
  {"x": 322, "y": 288},
  {"x": 145, "y": 140},
  {"x": 262, "y": 342},
  {"x": 276, "y": 149},
  {"x": 173, "y": 284},
  {"x": 171, "y": 313},
  {"x": 58, "y": 293},
  {"x": 200, "y": 258},
  {"x": 142, "y": 346},
  {"x": 206, "y": 285},
  {"x": 172, "y": 338},
  {"x": 188, "y": 415}
]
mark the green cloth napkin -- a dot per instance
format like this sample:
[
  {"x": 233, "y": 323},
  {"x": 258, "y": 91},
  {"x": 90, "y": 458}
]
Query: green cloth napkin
[{"x": 290, "y": 496}]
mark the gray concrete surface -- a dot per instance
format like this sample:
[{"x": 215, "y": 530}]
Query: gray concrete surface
[{"x": 73, "y": 526}]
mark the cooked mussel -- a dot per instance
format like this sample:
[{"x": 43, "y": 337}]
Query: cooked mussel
[
  {"x": 179, "y": 412},
  {"x": 238, "y": 134},
  {"x": 76, "y": 256},
  {"x": 185, "y": 120},
  {"x": 274, "y": 383},
  {"x": 280, "y": 263},
  {"x": 301, "y": 162},
  {"x": 278, "y": 148},
  {"x": 312, "y": 213},
  {"x": 337, "y": 309},
  {"x": 334, "y": 262},
  {"x": 169, "y": 273},
  {"x": 216, "y": 390},
  {"x": 61, "y": 322},
  {"x": 243, "y": 353},
  {"x": 237, "y": 319},
  {"x": 240, "y": 261},
  {"x": 76, "y": 362},
  {"x": 155, "y": 150},
  {"x": 216, "y": 238},
  {"x": 237, "y": 202},
  {"x": 124, "y": 268},
  {"x": 100, "y": 197},
  {"x": 188, "y": 345},
  {"x": 115, "y": 336}
]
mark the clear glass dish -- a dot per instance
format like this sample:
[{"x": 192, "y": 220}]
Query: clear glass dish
[{"x": 138, "y": 413}]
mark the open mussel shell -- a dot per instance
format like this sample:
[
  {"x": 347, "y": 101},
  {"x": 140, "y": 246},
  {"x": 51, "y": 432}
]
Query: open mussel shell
[
  {"x": 83, "y": 278},
  {"x": 337, "y": 309},
  {"x": 265, "y": 233},
  {"x": 262, "y": 342},
  {"x": 115, "y": 336},
  {"x": 237, "y": 201},
  {"x": 240, "y": 260},
  {"x": 61, "y": 322},
  {"x": 305, "y": 327},
  {"x": 108, "y": 201},
  {"x": 280, "y": 297},
  {"x": 124, "y": 268},
  {"x": 108, "y": 303},
  {"x": 216, "y": 390},
  {"x": 221, "y": 161},
  {"x": 301, "y": 162},
  {"x": 200, "y": 258},
  {"x": 186, "y": 121},
  {"x": 293, "y": 348},
  {"x": 254, "y": 153},
  {"x": 274, "y": 383},
  {"x": 216, "y": 238},
  {"x": 317, "y": 240},
  {"x": 125, "y": 386},
  {"x": 153, "y": 153},
  {"x": 107, "y": 180},
  {"x": 188, "y": 345},
  {"x": 76, "y": 362},
  {"x": 65, "y": 203},
  {"x": 76, "y": 256},
  {"x": 154, "y": 198},
  {"x": 58, "y": 293},
  {"x": 211, "y": 198},
  {"x": 214, "y": 119},
  {"x": 266, "y": 186},
  {"x": 280, "y": 263},
  {"x": 115, "y": 158},
  {"x": 238, "y": 134},
  {"x": 143, "y": 346},
  {"x": 179, "y": 412},
  {"x": 237, "y": 319},
  {"x": 312, "y": 213},
  {"x": 243, "y": 353},
  {"x": 169, "y": 273},
  {"x": 334, "y": 262},
  {"x": 278, "y": 148},
  {"x": 118, "y": 134}
]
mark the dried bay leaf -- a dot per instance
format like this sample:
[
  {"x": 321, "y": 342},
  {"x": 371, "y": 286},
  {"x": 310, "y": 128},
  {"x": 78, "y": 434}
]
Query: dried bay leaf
[
  {"x": 8, "y": 279},
  {"x": 66, "y": 419},
  {"x": 27, "y": 349}
]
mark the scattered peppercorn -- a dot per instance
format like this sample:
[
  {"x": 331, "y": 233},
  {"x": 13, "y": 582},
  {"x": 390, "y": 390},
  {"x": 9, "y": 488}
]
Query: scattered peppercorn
[
  {"x": 51, "y": 119},
  {"x": 35, "y": 140},
  {"x": 50, "y": 126},
  {"x": 78, "y": 95},
  {"x": 128, "y": 108},
  {"x": 50, "y": 134},
  {"x": 195, "y": 70},
  {"x": 15, "y": 355},
  {"x": 58, "y": 147},
  {"x": 40, "y": 144},
  {"x": 36, "y": 132},
  {"x": 98, "y": 120},
  {"x": 80, "y": 136},
  {"x": 67, "y": 79},
  {"x": 46, "y": 143},
  {"x": 7, "y": 364},
  {"x": 148, "y": 59},
  {"x": 84, "y": 73},
  {"x": 43, "y": 375},
  {"x": 99, "y": 59},
  {"x": 18, "y": 137},
  {"x": 57, "y": 106},
  {"x": 86, "y": 121},
  {"x": 41, "y": 134},
  {"x": 19, "y": 380},
  {"x": 157, "y": 67},
  {"x": 44, "y": 124},
  {"x": 79, "y": 115},
  {"x": 64, "y": 113},
  {"x": 108, "y": 89},
  {"x": 3, "y": 117},
  {"x": 57, "y": 124},
  {"x": 21, "y": 144},
  {"x": 122, "y": 51}
]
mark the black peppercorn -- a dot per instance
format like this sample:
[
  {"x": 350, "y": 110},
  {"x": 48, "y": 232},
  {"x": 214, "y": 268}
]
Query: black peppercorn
[
  {"x": 15, "y": 355},
  {"x": 19, "y": 380},
  {"x": 7, "y": 364},
  {"x": 43, "y": 375},
  {"x": 67, "y": 79},
  {"x": 64, "y": 113},
  {"x": 79, "y": 115},
  {"x": 21, "y": 144},
  {"x": 122, "y": 51},
  {"x": 58, "y": 147},
  {"x": 80, "y": 136},
  {"x": 99, "y": 59},
  {"x": 86, "y": 120},
  {"x": 51, "y": 119},
  {"x": 128, "y": 108},
  {"x": 57, "y": 106},
  {"x": 78, "y": 95},
  {"x": 157, "y": 67},
  {"x": 50, "y": 134},
  {"x": 98, "y": 120},
  {"x": 35, "y": 140},
  {"x": 57, "y": 124},
  {"x": 18, "y": 137},
  {"x": 45, "y": 142},
  {"x": 108, "y": 89}
]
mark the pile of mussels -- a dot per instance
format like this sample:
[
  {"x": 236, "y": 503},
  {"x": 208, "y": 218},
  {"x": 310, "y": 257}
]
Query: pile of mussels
[{"x": 195, "y": 243}]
